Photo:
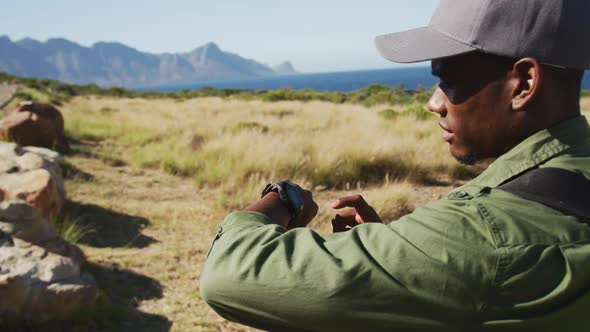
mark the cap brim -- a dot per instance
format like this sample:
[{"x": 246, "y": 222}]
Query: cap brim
[{"x": 418, "y": 45}]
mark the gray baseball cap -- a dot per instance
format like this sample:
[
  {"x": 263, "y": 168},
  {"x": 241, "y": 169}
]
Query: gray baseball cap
[{"x": 555, "y": 32}]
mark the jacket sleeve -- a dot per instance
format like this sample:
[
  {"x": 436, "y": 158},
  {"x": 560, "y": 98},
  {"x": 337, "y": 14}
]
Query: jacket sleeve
[{"x": 428, "y": 270}]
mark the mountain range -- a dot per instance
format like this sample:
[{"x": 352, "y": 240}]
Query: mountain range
[{"x": 116, "y": 64}]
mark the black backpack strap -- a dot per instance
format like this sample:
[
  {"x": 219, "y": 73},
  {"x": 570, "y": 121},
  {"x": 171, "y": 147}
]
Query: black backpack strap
[{"x": 559, "y": 189}]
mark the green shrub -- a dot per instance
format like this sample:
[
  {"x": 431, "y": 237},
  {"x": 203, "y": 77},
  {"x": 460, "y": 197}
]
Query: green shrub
[
  {"x": 4, "y": 77},
  {"x": 418, "y": 111},
  {"x": 389, "y": 114},
  {"x": 56, "y": 100},
  {"x": 275, "y": 95},
  {"x": 377, "y": 94},
  {"x": 25, "y": 96}
]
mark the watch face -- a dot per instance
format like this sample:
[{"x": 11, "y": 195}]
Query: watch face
[{"x": 294, "y": 197}]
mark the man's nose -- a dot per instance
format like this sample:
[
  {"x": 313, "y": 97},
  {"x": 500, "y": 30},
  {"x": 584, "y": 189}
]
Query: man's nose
[{"x": 436, "y": 103}]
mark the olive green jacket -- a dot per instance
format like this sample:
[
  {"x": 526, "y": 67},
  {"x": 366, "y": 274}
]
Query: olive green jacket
[{"x": 481, "y": 260}]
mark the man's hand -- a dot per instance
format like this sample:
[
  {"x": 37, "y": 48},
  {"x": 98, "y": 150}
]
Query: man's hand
[
  {"x": 272, "y": 206},
  {"x": 310, "y": 210},
  {"x": 361, "y": 212}
]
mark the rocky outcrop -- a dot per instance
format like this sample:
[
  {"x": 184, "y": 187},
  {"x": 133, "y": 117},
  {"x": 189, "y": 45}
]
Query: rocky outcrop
[
  {"x": 35, "y": 124},
  {"x": 32, "y": 175},
  {"x": 40, "y": 277}
]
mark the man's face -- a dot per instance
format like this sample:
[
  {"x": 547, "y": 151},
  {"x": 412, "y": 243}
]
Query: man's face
[{"x": 474, "y": 104}]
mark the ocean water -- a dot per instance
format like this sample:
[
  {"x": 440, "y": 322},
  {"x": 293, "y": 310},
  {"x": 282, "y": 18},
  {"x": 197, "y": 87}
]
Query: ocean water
[{"x": 340, "y": 81}]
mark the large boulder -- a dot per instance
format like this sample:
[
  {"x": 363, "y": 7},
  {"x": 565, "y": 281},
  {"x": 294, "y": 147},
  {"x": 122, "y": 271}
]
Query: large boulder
[
  {"x": 40, "y": 276},
  {"x": 35, "y": 124},
  {"x": 32, "y": 175}
]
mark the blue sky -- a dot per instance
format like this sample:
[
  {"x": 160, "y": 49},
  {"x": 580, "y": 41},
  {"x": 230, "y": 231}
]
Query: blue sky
[{"x": 317, "y": 36}]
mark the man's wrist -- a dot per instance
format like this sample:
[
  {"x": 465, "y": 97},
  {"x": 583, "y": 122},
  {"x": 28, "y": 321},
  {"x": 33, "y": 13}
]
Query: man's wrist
[
  {"x": 289, "y": 194},
  {"x": 272, "y": 206}
]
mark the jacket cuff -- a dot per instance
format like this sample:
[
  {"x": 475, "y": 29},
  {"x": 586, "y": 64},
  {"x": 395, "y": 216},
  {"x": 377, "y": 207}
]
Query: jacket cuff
[
  {"x": 243, "y": 218},
  {"x": 240, "y": 219}
]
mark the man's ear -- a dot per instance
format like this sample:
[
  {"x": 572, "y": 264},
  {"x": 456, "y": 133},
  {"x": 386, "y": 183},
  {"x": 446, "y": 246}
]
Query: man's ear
[{"x": 527, "y": 74}]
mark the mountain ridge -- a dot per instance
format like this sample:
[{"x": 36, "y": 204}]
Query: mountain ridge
[{"x": 117, "y": 64}]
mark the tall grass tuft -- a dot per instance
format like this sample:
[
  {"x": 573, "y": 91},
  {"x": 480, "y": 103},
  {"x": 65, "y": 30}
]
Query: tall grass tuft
[{"x": 71, "y": 229}]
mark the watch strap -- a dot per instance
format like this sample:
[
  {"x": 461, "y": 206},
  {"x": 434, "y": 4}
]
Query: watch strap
[{"x": 279, "y": 188}]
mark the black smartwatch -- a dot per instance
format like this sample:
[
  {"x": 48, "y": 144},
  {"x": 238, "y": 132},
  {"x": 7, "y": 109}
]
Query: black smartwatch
[{"x": 289, "y": 195}]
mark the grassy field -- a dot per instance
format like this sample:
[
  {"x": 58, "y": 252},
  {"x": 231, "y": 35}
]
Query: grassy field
[
  {"x": 149, "y": 180},
  {"x": 216, "y": 141}
]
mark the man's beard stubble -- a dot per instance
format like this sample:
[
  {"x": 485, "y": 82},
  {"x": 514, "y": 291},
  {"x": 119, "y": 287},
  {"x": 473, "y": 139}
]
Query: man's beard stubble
[{"x": 469, "y": 159}]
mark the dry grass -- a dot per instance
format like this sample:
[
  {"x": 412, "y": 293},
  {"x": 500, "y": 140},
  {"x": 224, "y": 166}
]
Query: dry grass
[
  {"x": 585, "y": 106},
  {"x": 216, "y": 141}
]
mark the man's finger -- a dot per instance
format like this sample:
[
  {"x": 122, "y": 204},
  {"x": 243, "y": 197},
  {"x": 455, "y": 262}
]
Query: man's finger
[
  {"x": 349, "y": 201},
  {"x": 357, "y": 202},
  {"x": 348, "y": 213},
  {"x": 343, "y": 223},
  {"x": 354, "y": 201}
]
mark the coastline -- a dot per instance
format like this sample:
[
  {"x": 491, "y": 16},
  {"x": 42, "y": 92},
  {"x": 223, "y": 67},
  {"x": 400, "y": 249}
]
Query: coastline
[{"x": 347, "y": 81}]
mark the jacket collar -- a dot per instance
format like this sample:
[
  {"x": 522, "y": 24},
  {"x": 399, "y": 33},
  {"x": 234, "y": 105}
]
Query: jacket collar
[{"x": 536, "y": 150}]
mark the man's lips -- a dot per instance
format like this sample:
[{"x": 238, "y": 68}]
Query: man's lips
[{"x": 447, "y": 134}]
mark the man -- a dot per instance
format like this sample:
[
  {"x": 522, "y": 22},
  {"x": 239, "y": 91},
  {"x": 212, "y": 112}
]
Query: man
[{"x": 508, "y": 251}]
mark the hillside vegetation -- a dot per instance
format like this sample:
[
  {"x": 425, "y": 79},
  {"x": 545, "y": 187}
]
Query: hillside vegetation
[{"x": 58, "y": 93}]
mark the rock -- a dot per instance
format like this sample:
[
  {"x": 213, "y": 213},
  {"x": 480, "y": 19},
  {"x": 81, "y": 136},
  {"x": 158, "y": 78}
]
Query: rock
[
  {"x": 5, "y": 240},
  {"x": 35, "y": 124},
  {"x": 25, "y": 225},
  {"x": 15, "y": 289},
  {"x": 34, "y": 187},
  {"x": 26, "y": 129},
  {"x": 59, "y": 246},
  {"x": 22, "y": 221},
  {"x": 47, "y": 154},
  {"x": 40, "y": 285},
  {"x": 32, "y": 175},
  {"x": 40, "y": 276},
  {"x": 53, "y": 115}
]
